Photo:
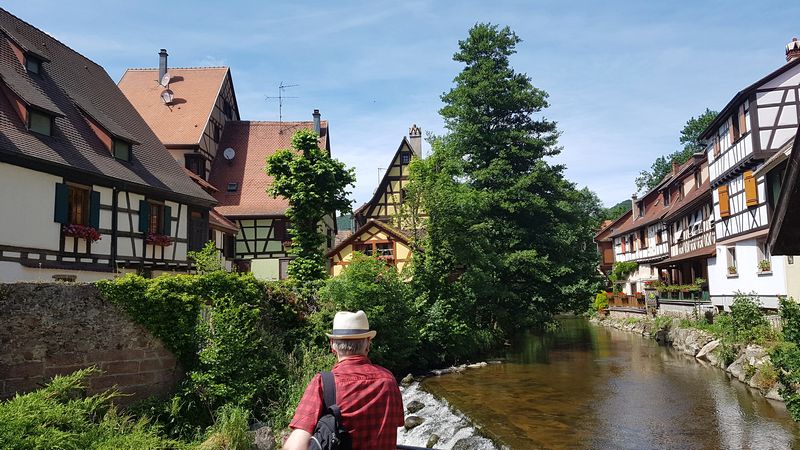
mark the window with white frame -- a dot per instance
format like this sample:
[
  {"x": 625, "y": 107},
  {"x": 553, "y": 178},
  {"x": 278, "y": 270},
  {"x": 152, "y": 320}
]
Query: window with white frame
[{"x": 733, "y": 267}]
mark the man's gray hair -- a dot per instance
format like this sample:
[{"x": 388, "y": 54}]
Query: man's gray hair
[{"x": 350, "y": 347}]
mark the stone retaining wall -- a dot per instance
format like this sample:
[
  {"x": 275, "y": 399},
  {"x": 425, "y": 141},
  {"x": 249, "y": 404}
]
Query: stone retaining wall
[
  {"x": 750, "y": 365},
  {"x": 49, "y": 329}
]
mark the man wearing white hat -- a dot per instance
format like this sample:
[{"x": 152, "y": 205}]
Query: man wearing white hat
[{"x": 367, "y": 394}]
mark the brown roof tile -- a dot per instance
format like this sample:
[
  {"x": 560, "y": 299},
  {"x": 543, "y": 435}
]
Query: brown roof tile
[
  {"x": 73, "y": 84},
  {"x": 195, "y": 91},
  {"x": 253, "y": 142}
]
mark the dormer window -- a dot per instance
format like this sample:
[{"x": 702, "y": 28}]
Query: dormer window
[
  {"x": 666, "y": 197},
  {"x": 33, "y": 64},
  {"x": 641, "y": 209},
  {"x": 121, "y": 150},
  {"x": 40, "y": 122},
  {"x": 232, "y": 187}
]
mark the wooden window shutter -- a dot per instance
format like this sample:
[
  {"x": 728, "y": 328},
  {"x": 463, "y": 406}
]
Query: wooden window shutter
[
  {"x": 724, "y": 203},
  {"x": 94, "y": 210},
  {"x": 716, "y": 145},
  {"x": 742, "y": 120},
  {"x": 144, "y": 216},
  {"x": 750, "y": 189},
  {"x": 167, "y": 229},
  {"x": 280, "y": 230},
  {"x": 735, "y": 128},
  {"x": 60, "y": 214}
]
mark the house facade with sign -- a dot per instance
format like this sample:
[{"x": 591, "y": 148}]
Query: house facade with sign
[
  {"x": 758, "y": 122},
  {"x": 108, "y": 196}
]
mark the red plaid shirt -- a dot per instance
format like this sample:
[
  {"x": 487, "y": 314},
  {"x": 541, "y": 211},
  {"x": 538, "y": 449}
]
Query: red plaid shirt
[{"x": 369, "y": 398}]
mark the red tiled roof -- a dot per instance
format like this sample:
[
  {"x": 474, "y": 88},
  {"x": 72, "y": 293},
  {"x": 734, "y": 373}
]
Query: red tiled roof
[
  {"x": 253, "y": 142},
  {"x": 216, "y": 219},
  {"x": 195, "y": 90}
]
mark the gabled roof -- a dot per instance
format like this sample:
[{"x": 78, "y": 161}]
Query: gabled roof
[
  {"x": 385, "y": 227},
  {"x": 655, "y": 211},
  {"x": 69, "y": 85},
  {"x": 376, "y": 196},
  {"x": 216, "y": 220},
  {"x": 741, "y": 96},
  {"x": 253, "y": 142},
  {"x": 195, "y": 93},
  {"x": 609, "y": 226}
]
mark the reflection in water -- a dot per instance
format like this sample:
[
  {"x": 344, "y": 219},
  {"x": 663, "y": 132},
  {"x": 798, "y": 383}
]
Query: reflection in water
[{"x": 590, "y": 387}]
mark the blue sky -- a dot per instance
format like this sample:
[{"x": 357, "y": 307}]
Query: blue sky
[{"x": 623, "y": 77}]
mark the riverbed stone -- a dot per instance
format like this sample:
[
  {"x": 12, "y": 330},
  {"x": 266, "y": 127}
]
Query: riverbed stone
[
  {"x": 433, "y": 440},
  {"x": 408, "y": 379},
  {"x": 477, "y": 365},
  {"x": 263, "y": 438},
  {"x": 414, "y": 406},
  {"x": 467, "y": 443},
  {"x": 707, "y": 349},
  {"x": 775, "y": 392},
  {"x": 412, "y": 422}
]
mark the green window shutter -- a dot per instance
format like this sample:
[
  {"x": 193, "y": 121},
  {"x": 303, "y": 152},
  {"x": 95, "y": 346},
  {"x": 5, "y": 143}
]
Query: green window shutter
[
  {"x": 144, "y": 216},
  {"x": 167, "y": 221},
  {"x": 94, "y": 210},
  {"x": 62, "y": 203}
]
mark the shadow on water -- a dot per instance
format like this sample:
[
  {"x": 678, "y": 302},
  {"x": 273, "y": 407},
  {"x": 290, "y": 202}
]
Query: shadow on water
[{"x": 584, "y": 386}]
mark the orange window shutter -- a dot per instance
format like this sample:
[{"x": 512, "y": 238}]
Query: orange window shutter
[
  {"x": 750, "y": 189},
  {"x": 724, "y": 203}
]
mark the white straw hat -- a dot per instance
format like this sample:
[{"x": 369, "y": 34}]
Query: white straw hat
[{"x": 351, "y": 325}]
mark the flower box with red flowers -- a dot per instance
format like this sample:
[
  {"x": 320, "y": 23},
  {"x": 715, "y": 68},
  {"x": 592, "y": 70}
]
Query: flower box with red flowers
[
  {"x": 159, "y": 239},
  {"x": 82, "y": 232}
]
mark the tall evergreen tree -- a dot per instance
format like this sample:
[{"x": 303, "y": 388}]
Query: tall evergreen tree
[{"x": 502, "y": 217}]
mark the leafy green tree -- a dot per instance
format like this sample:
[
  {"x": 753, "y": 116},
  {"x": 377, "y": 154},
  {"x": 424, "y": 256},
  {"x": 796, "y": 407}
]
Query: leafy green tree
[
  {"x": 208, "y": 259},
  {"x": 690, "y": 139},
  {"x": 376, "y": 288},
  {"x": 617, "y": 210},
  {"x": 316, "y": 186},
  {"x": 509, "y": 240}
]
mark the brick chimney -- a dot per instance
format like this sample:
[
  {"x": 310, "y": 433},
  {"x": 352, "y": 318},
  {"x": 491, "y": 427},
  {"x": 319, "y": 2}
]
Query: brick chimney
[
  {"x": 162, "y": 64},
  {"x": 317, "y": 122},
  {"x": 675, "y": 167},
  {"x": 415, "y": 139},
  {"x": 634, "y": 207},
  {"x": 792, "y": 50}
]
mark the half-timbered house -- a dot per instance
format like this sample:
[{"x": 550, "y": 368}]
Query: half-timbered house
[
  {"x": 642, "y": 238},
  {"x": 759, "y": 121},
  {"x": 87, "y": 188},
  {"x": 263, "y": 241},
  {"x": 605, "y": 243},
  {"x": 375, "y": 238},
  {"x": 387, "y": 200},
  {"x": 188, "y": 108}
]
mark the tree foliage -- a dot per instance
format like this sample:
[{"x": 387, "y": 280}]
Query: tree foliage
[
  {"x": 208, "y": 259},
  {"x": 509, "y": 240},
  {"x": 316, "y": 186},
  {"x": 689, "y": 139}
]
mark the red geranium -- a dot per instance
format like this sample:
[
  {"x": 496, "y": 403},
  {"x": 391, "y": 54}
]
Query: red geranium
[
  {"x": 82, "y": 231},
  {"x": 159, "y": 239}
]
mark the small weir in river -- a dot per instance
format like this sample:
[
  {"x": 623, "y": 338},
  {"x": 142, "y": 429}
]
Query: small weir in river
[{"x": 584, "y": 386}]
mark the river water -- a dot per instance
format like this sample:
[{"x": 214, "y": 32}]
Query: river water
[{"x": 585, "y": 386}]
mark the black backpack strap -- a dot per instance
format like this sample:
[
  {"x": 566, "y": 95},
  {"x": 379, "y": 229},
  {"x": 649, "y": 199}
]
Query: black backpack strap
[{"x": 329, "y": 390}]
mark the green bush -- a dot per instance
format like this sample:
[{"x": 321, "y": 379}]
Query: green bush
[
  {"x": 661, "y": 323},
  {"x": 372, "y": 286},
  {"x": 786, "y": 358},
  {"x": 600, "y": 301},
  {"x": 746, "y": 313},
  {"x": 790, "y": 316},
  {"x": 208, "y": 259},
  {"x": 62, "y": 416}
]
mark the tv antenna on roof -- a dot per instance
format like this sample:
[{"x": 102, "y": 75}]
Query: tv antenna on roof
[{"x": 281, "y": 89}]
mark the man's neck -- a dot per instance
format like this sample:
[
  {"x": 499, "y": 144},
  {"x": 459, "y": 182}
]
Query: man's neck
[{"x": 345, "y": 358}]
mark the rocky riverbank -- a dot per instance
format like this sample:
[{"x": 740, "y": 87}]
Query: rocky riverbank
[{"x": 751, "y": 364}]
